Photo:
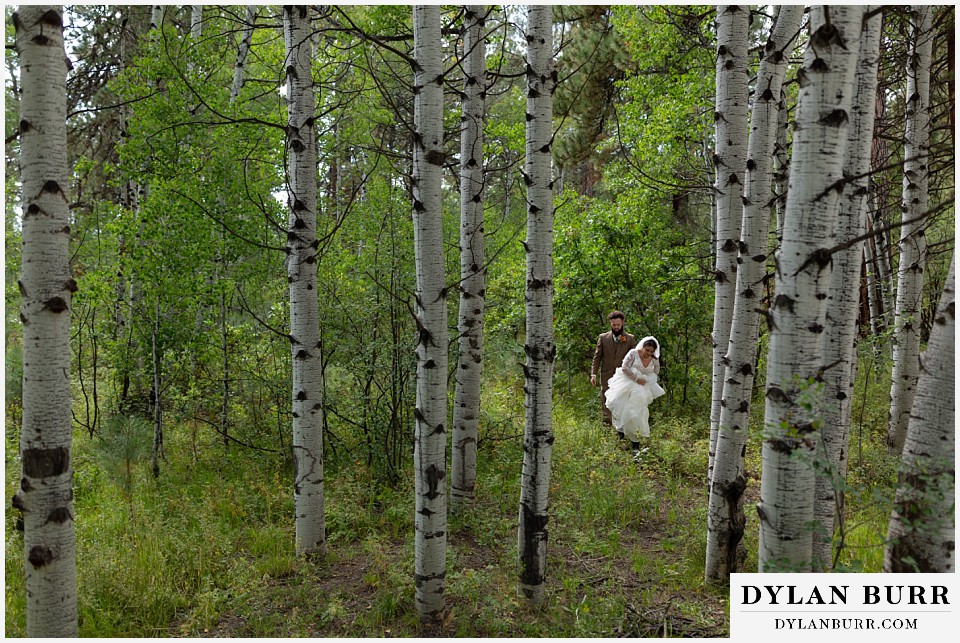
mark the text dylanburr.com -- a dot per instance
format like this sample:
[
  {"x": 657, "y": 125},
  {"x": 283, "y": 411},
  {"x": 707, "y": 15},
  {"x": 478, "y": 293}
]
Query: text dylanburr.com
[{"x": 844, "y": 607}]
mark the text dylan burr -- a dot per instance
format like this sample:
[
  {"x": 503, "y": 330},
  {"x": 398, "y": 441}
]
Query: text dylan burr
[{"x": 838, "y": 594}]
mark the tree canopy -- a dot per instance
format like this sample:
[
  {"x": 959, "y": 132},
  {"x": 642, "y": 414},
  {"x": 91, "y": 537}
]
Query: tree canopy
[{"x": 211, "y": 168}]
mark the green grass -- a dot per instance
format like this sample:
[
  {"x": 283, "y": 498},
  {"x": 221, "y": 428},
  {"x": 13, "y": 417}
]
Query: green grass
[{"x": 208, "y": 549}]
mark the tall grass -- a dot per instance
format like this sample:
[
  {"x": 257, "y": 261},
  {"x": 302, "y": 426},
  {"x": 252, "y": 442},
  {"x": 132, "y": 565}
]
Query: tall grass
[{"x": 208, "y": 548}]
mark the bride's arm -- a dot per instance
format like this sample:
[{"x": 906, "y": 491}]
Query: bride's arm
[{"x": 628, "y": 363}]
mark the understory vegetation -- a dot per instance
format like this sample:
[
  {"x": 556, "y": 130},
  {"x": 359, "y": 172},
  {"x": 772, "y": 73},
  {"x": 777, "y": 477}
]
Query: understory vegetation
[
  {"x": 207, "y": 549},
  {"x": 181, "y": 323}
]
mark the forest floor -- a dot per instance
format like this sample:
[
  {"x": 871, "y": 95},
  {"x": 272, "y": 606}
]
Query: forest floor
[
  {"x": 613, "y": 571},
  {"x": 206, "y": 550}
]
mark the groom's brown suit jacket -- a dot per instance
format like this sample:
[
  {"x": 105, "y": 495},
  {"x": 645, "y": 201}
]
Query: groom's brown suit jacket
[{"x": 609, "y": 355}]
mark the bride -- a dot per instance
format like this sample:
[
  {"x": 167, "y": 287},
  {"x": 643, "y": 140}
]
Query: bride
[{"x": 632, "y": 388}]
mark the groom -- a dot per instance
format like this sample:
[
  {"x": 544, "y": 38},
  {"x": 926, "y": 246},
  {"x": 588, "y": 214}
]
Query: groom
[{"x": 612, "y": 347}]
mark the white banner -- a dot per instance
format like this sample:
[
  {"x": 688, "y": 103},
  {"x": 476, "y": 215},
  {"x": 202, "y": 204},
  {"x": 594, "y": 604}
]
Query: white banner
[{"x": 844, "y": 607}]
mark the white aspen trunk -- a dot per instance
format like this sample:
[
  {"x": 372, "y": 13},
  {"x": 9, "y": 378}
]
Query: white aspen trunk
[
  {"x": 913, "y": 243},
  {"x": 921, "y": 534},
  {"x": 539, "y": 346},
  {"x": 238, "y": 81},
  {"x": 798, "y": 313},
  {"x": 730, "y": 157},
  {"x": 874, "y": 300},
  {"x": 726, "y": 519},
  {"x": 302, "y": 278},
  {"x": 781, "y": 168},
  {"x": 238, "y": 70},
  {"x": 225, "y": 384},
  {"x": 128, "y": 199},
  {"x": 466, "y": 408},
  {"x": 840, "y": 337},
  {"x": 196, "y": 22},
  {"x": 134, "y": 365},
  {"x": 156, "y": 16},
  {"x": 46, "y": 496},
  {"x": 430, "y": 437},
  {"x": 881, "y": 239}
]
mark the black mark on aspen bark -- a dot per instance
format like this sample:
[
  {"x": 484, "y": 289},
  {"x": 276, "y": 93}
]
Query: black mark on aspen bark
[
  {"x": 785, "y": 302},
  {"x": 52, "y": 187},
  {"x": 39, "y": 556},
  {"x": 59, "y": 515},
  {"x": 420, "y": 579},
  {"x": 776, "y": 394},
  {"x": 55, "y": 305},
  {"x": 836, "y": 118},
  {"x": 42, "y": 463},
  {"x": 434, "y": 477}
]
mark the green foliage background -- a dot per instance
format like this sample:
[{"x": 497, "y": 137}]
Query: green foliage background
[{"x": 197, "y": 264}]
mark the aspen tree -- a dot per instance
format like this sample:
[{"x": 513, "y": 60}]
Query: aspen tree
[
  {"x": 196, "y": 22},
  {"x": 913, "y": 243},
  {"x": 840, "y": 336},
  {"x": 430, "y": 436},
  {"x": 302, "y": 281},
  {"x": 239, "y": 78},
  {"x": 730, "y": 158},
  {"x": 781, "y": 166},
  {"x": 129, "y": 192},
  {"x": 46, "y": 285},
  {"x": 726, "y": 519},
  {"x": 921, "y": 536},
  {"x": 466, "y": 407},
  {"x": 798, "y": 313},
  {"x": 879, "y": 272},
  {"x": 539, "y": 344},
  {"x": 156, "y": 16}
]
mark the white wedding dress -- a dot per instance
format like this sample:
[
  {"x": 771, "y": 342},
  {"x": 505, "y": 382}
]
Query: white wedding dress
[{"x": 628, "y": 401}]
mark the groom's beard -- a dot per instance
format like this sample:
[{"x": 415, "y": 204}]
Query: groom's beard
[{"x": 617, "y": 333}]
